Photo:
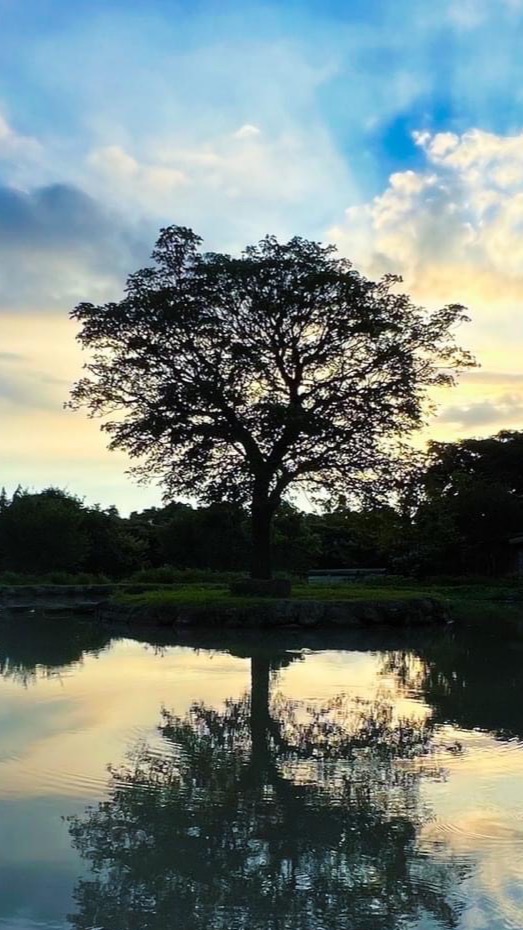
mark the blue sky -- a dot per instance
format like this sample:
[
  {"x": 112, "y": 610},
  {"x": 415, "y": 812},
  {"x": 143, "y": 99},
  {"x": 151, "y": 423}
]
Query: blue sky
[{"x": 394, "y": 129}]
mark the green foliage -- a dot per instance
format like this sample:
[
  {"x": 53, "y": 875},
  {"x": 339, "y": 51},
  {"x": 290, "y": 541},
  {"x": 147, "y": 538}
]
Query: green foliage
[
  {"x": 43, "y": 532},
  {"x": 113, "y": 547},
  {"x": 470, "y": 504},
  {"x": 53, "y": 535},
  {"x": 167, "y": 574}
]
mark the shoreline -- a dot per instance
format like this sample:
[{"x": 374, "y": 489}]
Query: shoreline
[
  {"x": 168, "y": 607},
  {"x": 213, "y": 606}
]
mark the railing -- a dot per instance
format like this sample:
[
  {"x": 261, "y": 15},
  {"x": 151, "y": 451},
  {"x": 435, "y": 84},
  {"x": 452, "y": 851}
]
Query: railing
[{"x": 343, "y": 575}]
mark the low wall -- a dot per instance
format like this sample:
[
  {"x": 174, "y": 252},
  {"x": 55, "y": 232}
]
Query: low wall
[
  {"x": 96, "y": 601},
  {"x": 33, "y": 594},
  {"x": 286, "y": 614}
]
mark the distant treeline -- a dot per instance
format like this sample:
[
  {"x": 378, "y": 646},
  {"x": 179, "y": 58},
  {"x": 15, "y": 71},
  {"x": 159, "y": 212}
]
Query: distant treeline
[{"x": 456, "y": 518}]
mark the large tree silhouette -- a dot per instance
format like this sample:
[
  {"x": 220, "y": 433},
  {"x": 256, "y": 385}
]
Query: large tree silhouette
[
  {"x": 241, "y": 378},
  {"x": 267, "y": 815}
]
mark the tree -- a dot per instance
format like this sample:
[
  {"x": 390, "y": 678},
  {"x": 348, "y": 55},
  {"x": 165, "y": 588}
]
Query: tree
[
  {"x": 470, "y": 504},
  {"x": 358, "y": 538},
  {"x": 43, "y": 532},
  {"x": 496, "y": 459},
  {"x": 209, "y": 537},
  {"x": 113, "y": 548},
  {"x": 241, "y": 378},
  {"x": 296, "y": 545}
]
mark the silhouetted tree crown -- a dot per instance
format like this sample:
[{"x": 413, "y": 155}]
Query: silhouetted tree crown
[{"x": 239, "y": 378}]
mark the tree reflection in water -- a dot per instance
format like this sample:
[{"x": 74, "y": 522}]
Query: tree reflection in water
[
  {"x": 459, "y": 679},
  {"x": 31, "y": 648},
  {"x": 267, "y": 814}
]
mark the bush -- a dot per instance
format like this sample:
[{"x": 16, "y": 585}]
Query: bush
[
  {"x": 168, "y": 574},
  {"x": 19, "y": 578}
]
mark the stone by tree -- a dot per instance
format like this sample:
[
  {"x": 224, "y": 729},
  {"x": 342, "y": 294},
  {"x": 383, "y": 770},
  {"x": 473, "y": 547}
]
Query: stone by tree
[{"x": 242, "y": 378}]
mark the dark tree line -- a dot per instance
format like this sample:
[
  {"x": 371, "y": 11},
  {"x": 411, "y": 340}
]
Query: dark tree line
[{"x": 455, "y": 518}]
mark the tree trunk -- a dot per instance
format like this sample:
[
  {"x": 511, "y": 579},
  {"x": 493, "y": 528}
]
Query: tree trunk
[{"x": 261, "y": 518}]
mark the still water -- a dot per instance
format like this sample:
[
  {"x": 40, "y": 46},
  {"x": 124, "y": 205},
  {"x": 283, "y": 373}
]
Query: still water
[{"x": 369, "y": 783}]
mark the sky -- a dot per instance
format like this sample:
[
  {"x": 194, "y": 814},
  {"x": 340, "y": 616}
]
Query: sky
[{"x": 392, "y": 128}]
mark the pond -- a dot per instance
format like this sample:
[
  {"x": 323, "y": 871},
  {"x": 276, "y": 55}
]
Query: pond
[{"x": 223, "y": 782}]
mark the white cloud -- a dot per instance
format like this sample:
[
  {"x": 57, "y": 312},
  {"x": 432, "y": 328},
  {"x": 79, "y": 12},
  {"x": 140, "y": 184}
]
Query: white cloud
[
  {"x": 22, "y": 158},
  {"x": 246, "y": 131},
  {"x": 151, "y": 181},
  {"x": 453, "y": 230},
  {"x": 231, "y": 187},
  {"x": 13, "y": 144},
  {"x": 471, "y": 14}
]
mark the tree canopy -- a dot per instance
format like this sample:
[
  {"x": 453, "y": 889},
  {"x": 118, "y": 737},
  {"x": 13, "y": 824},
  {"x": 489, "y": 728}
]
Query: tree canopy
[
  {"x": 52, "y": 531},
  {"x": 471, "y": 503},
  {"x": 239, "y": 378}
]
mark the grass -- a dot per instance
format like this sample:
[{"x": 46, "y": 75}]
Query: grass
[
  {"x": 219, "y": 595},
  {"x": 467, "y": 602}
]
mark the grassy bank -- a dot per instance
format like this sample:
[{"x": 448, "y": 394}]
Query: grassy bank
[{"x": 472, "y": 603}]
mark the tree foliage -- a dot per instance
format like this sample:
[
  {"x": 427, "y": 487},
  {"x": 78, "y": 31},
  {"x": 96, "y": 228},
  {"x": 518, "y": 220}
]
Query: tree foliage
[
  {"x": 51, "y": 531},
  {"x": 42, "y": 532},
  {"x": 470, "y": 504}
]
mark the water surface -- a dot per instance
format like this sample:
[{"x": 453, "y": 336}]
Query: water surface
[{"x": 228, "y": 782}]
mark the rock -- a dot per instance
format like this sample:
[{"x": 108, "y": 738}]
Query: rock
[{"x": 261, "y": 587}]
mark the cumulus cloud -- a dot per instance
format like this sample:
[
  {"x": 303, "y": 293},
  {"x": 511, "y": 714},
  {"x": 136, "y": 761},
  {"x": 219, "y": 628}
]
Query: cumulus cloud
[
  {"x": 57, "y": 246},
  {"x": 459, "y": 219},
  {"x": 454, "y": 231},
  {"x": 152, "y": 180},
  {"x": 247, "y": 130}
]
